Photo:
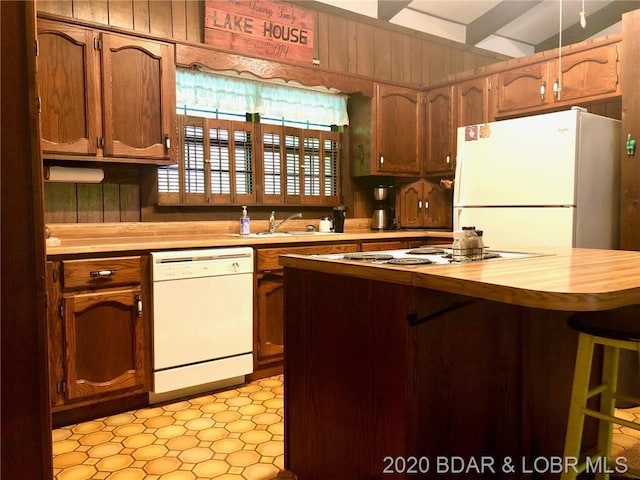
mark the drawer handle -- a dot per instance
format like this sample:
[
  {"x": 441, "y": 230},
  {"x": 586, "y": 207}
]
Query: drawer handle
[{"x": 102, "y": 273}]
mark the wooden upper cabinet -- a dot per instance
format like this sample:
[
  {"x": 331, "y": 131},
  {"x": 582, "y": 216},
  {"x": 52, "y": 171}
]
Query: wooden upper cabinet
[
  {"x": 522, "y": 88},
  {"x": 423, "y": 204},
  {"x": 397, "y": 121},
  {"x": 385, "y": 132},
  {"x": 105, "y": 95},
  {"x": 585, "y": 75},
  {"x": 139, "y": 97},
  {"x": 440, "y": 130},
  {"x": 472, "y": 102},
  {"x": 69, "y": 89},
  {"x": 590, "y": 74}
]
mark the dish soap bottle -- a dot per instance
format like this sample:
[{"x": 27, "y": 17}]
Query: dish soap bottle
[{"x": 245, "y": 229}]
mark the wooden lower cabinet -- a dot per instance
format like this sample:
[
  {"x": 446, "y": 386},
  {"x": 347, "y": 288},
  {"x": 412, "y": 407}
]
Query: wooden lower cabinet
[
  {"x": 269, "y": 347},
  {"x": 99, "y": 331},
  {"x": 268, "y": 324},
  {"x": 104, "y": 342}
]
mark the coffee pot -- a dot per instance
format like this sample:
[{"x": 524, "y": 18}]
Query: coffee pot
[{"x": 382, "y": 217}]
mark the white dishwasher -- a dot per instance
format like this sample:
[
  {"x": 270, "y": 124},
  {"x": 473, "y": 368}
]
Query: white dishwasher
[{"x": 202, "y": 319}]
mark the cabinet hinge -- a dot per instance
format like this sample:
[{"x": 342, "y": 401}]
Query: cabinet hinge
[
  {"x": 100, "y": 142},
  {"x": 39, "y": 104},
  {"x": 46, "y": 301},
  {"x": 617, "y": 54},
  {"x": 61, "y": 310},
  {"x": 61, "y": 387},
  {"x": 37, "y": 47},
  {"x": 97, "y": 44}
]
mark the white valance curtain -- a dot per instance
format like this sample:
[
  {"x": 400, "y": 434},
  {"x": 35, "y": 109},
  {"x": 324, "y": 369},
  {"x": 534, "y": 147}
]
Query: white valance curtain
[{"x": 209, "y": 92}]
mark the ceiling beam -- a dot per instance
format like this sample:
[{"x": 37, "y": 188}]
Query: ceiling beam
[
  {"x": 496, "y": 18},
  {"x": 596, "y": 22},
  {"x": 387, "y": 9}
]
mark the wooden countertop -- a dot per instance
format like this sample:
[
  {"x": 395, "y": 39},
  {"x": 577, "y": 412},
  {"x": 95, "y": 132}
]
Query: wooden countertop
[
  {"x": 559, "y": 279},
  {"x": 147, "y": 236}
]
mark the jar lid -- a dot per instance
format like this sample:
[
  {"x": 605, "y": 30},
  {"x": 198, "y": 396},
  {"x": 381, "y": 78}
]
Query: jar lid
[{"x": 468, "y": 228}]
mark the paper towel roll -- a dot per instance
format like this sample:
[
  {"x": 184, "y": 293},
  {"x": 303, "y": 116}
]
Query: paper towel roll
[{"x": 73, "y": 175}]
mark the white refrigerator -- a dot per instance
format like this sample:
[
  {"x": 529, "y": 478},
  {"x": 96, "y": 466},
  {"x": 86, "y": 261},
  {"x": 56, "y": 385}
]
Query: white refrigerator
[{"x": 548, "y": 180}]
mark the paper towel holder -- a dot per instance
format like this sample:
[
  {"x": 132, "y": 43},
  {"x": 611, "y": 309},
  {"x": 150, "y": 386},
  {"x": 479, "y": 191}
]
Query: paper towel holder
[{"x": 73, "y": 174}]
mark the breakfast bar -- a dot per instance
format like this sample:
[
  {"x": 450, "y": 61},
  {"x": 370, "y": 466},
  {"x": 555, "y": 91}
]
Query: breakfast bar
[{"x": 433, "y": 371}]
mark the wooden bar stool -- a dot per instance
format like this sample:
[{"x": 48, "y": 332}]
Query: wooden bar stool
[{"x": 614, "y": 330}]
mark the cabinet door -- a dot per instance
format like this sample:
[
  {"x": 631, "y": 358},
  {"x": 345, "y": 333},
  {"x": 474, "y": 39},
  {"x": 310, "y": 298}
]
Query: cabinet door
[
  {"x": 397, "y": 130},
  {"x": 589, "y": 74},
  {"x": 55, "y": 337},
  {"x": 104, "y": 336},
  {"x": 270, "y": 319},
  {"x": 410, "y": 203},
  {"x": 523, "y": 88},
  {"x": 472, "y": 102},
  {"x": 440, "y": 141},
  {"x": 138, "y": 97},
  {"x": 68, "y": 86},
  {"x": 437, "y": 209}
]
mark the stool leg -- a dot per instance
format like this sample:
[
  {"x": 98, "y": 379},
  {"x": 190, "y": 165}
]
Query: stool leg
[
  {"x": 607, "y": 403},
  {"x": 579, "y": 390}
]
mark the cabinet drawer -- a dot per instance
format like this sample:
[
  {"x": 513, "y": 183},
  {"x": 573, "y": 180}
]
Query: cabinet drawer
[
  {"x": 390, "y": 245},
  {"x": 267, "y": 258},
  {"x": 103, "y": 272}
]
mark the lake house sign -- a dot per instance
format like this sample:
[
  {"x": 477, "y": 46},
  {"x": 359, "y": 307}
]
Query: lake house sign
[{"x": 260, "y": 28}]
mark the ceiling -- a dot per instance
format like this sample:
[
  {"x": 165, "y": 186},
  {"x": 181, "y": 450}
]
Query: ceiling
[{"x": 512, "y": 27}]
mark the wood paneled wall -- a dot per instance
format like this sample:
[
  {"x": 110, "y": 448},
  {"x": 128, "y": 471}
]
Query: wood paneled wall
[{"x": 344, "y": 42}]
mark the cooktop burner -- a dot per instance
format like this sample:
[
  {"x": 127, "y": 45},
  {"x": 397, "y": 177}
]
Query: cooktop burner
[
  {"x": 426, "y": 251},
  {"x": 409, "y": 261},
  {"x": 367, "y": 256}
]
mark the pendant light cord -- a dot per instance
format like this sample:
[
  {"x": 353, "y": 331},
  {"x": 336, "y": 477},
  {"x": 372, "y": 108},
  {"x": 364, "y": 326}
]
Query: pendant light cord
[{"x": 558, "y": 84}]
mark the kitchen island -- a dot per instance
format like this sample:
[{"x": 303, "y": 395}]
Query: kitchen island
[{"x": 392, "y": 369}]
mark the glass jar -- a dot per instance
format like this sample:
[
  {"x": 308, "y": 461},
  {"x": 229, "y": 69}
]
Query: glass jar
[{"x": 479, "y": 254}]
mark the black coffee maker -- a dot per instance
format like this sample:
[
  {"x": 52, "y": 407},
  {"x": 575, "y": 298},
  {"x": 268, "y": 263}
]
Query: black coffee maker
[{"x": 339, "y": 214}]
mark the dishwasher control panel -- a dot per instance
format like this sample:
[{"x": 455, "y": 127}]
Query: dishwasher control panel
[{"x": 176, "y": 264}]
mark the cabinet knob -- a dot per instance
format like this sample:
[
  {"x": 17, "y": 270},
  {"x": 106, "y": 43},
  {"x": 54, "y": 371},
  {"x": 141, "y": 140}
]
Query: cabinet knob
[
  {"x": 167, "y": 142},
  {"x": 139, "y": 305},
  {"x": 448, "y": 159},
  {"x": 543, "y": 91},
  {"x": 419, "y": 205},
  {"x": 556, "y": 90},
  {"x": 426, "y": 205},
  {"x": 381, "y": 160}
]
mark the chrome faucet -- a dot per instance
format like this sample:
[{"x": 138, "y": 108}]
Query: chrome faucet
[{"x": 272, "y": 221}]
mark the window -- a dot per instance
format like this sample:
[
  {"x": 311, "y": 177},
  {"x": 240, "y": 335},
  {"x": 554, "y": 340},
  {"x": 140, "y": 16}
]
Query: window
[
  {"x": 300, "y": 166},
  {"x": 290, "y": 156},
  {"x": 216, "y": 164}
]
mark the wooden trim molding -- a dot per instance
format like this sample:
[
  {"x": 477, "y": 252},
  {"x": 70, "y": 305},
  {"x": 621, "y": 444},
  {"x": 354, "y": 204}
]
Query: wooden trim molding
[{"x": 197, "y": 55}]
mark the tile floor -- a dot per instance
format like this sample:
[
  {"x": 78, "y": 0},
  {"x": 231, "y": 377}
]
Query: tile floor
[
  {"x": 626, "y": 441},
  {"x": 231, "y": 435}
]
